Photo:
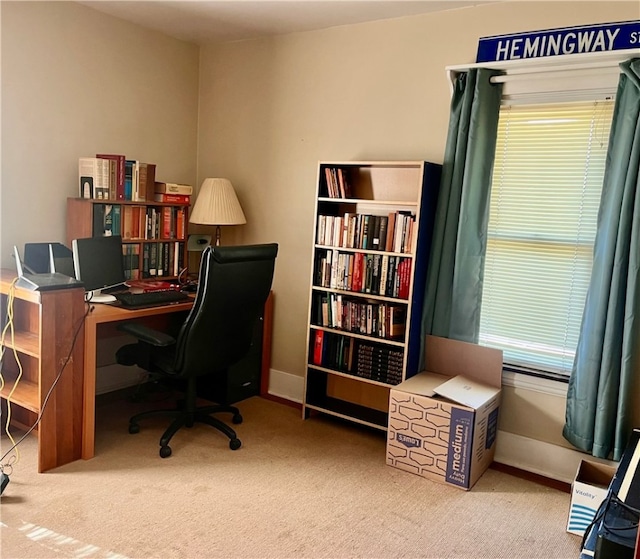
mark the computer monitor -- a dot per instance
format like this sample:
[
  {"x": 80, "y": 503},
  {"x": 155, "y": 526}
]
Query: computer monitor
[{"x": 98, "y": 263}]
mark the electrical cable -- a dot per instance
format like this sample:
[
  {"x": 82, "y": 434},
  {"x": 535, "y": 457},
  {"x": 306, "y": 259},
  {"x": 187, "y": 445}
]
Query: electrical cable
[
  {"x": 10, "y": 326},
  {"x": 49, "y": 392}
]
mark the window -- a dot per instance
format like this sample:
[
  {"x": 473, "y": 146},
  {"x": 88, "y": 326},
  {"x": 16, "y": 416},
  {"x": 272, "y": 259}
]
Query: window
[{"x": 546, "y": 188}]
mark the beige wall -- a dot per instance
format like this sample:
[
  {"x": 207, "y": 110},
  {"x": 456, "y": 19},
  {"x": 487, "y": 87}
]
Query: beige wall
[
  {"x": 74, "y": 83},
  {"x": 271, "y": 108}
]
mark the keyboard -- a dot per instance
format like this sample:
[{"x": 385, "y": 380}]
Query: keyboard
[{"x": 150, "y": 298}]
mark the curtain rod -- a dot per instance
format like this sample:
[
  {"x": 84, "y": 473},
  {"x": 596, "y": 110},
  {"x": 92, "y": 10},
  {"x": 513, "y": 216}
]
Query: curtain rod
[{"x": 563, "y": 63}]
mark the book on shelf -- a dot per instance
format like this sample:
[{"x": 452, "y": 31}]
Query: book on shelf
[
  {"x": 180, "y": 224},
  {"x": 131, "y": 260},
  {"x": 105, "y": 224},
  {"x": 317, "y": 347},
  {"x": 129, "y": 166},
  {"x": 146, "y": 182},
  {"x": 172, "y": 219},
  {"x": 173, "y": 188},
  {"x": 391, "y": 227},
  {"x": 93, "y": 174},
  {"x": 153, "y": 260},
  {"x": 383, "y": 221},
  {"x": 116, "y": 185},
  {"x": 172, "y": 198},
  {"x": 337, "y": 182},
  {"x": 98, "y": 220},
  {"x": 134, "y": 195}
]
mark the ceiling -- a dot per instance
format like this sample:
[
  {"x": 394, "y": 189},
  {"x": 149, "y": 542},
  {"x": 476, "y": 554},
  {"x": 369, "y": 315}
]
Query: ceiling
[{"x": 204, "y": 21}]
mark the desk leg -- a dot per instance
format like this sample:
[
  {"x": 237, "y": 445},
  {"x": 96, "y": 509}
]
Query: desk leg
[
  {"x": 267, "y": 326},
  {"x": 89, "y": 399}
]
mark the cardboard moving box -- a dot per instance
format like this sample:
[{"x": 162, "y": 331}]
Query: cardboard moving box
[
  {"x": 443, "y": 421},
  {"x": 588, "y": 490}
]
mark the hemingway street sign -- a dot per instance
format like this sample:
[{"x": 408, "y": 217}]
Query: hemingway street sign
[{"x": 555, "y": 42}]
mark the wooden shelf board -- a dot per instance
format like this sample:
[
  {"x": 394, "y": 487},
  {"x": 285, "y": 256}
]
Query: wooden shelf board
[
  {"x": 347, "y": 410},
  {"x": 365, "y": 251},
  {"x": 349, "y": 376},
  {"x": 24, "y": 342},
  {"x": 369, "y": 202},
  {"x": 372, "y": 339},
  {"x": 25, "y": 394}
]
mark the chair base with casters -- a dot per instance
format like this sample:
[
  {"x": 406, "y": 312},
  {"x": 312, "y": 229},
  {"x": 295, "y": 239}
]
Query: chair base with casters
[{"x": 188, "y": 415}]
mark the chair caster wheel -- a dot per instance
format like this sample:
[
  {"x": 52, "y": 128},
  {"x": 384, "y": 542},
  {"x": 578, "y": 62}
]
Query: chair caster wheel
[
  {"x": 234, "y": 444},
  {"x": 237, "y": 419},
  {"x": 165, "y": 451},
  {"x": 134, "y": 428}
]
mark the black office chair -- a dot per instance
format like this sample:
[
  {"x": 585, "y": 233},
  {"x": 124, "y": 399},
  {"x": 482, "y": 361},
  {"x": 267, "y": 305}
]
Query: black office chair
[{"x": 233, "y": 287}]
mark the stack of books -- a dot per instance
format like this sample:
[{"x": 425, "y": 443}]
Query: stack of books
[{"x": 172, "y": 193}]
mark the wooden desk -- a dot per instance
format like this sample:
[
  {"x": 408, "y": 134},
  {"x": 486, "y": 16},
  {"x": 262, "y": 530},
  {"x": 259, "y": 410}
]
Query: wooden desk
[{"x": 101, "y": 315}]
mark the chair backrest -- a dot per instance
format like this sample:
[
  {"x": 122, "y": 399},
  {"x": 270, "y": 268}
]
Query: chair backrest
[{"x": 233, "y": 287}]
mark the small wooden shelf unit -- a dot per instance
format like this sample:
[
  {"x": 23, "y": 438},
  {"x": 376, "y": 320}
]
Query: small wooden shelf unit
[{"x": 45, "y": 326}]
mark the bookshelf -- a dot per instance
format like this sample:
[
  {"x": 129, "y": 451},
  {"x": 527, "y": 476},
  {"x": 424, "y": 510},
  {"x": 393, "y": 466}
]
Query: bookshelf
[
  {"x": 372, "y": 232},
  {"x": 45, "y": 326},
  {"x": 153, "y": 233}
]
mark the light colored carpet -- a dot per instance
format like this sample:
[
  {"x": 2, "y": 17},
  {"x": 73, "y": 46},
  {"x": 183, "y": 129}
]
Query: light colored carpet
[{"x": 315, "y": 488}]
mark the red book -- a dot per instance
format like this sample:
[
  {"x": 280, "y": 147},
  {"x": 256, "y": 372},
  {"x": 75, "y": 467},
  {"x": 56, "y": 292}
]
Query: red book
[
  {"x": 172, "y": 198},
  {"x": 166, "y": 222},
  {"x": 357, "y": 272},
  {"x": 317, "y": 347},
  {"x": 405, "y": 276},
  {"x": 180, "y": 224}
]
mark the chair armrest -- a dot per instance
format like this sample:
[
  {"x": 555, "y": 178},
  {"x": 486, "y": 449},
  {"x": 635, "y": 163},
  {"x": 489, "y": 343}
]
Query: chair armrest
[{"x": 146, "y": 334}]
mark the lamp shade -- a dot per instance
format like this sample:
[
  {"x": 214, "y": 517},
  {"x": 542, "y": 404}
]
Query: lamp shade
[{"x": 217, "y": 204}]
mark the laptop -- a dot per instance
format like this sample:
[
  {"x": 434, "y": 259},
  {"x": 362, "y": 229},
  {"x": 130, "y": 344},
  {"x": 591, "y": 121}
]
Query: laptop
[{"x": 42, "y": 282}]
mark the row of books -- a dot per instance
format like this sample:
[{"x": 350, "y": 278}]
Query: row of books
[
  {"x": 392, "y": 232},
  {"x": 380, "y": 363},
  {"x": 337, "y": 183},
  {"x": 358, "y": 358},
  {"x": 139, "y": 222},
  {"x": 114, "y": 177},
  {"x": 376, "y": 274},
  {"x": 151, "y": 260},
  {"x": 382, "y": 320}
]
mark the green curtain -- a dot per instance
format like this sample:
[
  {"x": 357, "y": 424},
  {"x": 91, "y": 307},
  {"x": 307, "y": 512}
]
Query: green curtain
[
  {"x": 600, "y": 398},
  {"x": 453, "y": 291}
]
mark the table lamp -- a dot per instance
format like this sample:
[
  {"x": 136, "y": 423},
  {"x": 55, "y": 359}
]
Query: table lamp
[{"x": 217, "y": 204}]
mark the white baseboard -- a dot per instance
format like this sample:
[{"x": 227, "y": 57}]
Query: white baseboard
[
  {"x": 549, "y": 460},
  {"x": 285, "y": 385},
  {"x": 117, "y": 377}
]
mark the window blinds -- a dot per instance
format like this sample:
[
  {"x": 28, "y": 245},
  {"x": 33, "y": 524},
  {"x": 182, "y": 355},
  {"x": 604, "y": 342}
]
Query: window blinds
[{"x": 546, "y": 187}]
